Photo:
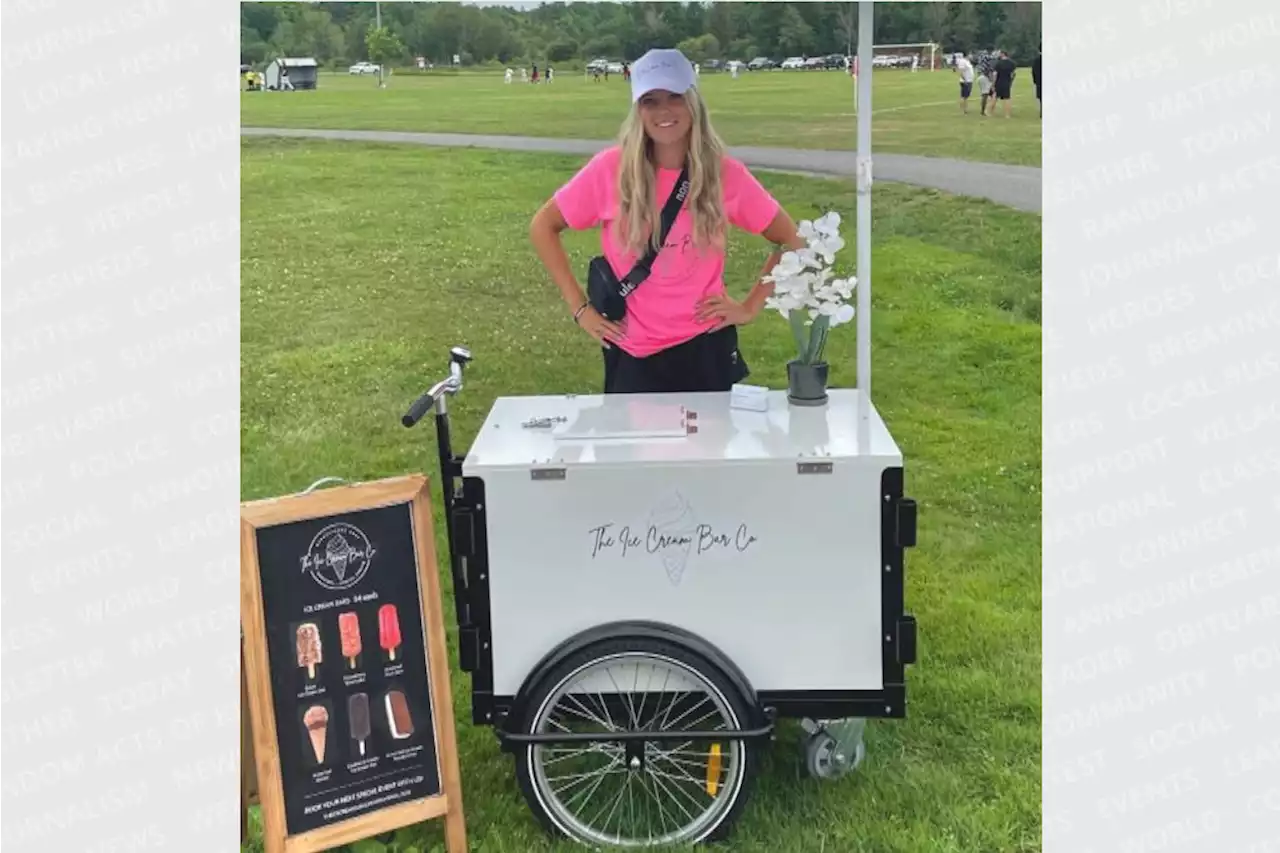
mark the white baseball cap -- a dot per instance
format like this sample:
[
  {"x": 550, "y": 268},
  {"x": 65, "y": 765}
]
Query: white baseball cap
[{"x": 661, "y": 68}]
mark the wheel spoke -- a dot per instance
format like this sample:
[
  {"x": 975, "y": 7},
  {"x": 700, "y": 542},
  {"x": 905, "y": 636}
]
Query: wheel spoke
[
  {"x": 575, "y": 752},
  {"x": 576, "y": 776},
  {"x": 674, "y": 702},
  {"x": 590, "y": 792},
  {"x": 585, "y": 714},
  {"x": 658, "y": 781},
  {"x": 685, "y": 714},
  {"x": 662, "y": 813},
  {"x": 678, "y": 785},
  {"x": 617, "y": 799},
  {"x": 631, "y": 712}
]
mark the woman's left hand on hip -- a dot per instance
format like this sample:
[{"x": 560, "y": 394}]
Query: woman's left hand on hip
[{"x": 726, "y": 309}]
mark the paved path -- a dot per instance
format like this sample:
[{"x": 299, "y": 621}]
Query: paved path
[{"x": 1015, "y": 186}]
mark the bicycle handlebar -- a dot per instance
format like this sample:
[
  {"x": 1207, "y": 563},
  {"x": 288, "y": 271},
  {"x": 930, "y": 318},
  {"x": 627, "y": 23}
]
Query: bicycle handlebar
[
  {"x": 423, "y": 404},
  {"x": 459, "y": 356}
]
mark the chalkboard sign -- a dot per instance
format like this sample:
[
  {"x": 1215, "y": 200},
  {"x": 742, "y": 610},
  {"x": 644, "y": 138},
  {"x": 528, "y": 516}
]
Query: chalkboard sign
[{"x": 346, "y": 666}]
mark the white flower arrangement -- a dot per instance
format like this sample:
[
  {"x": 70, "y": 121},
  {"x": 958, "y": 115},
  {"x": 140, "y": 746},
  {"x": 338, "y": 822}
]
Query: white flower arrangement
[{"x": 805, "y": 284}]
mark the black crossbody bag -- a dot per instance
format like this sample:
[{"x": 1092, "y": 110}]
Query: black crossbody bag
[{"x": 605, "y": 292}]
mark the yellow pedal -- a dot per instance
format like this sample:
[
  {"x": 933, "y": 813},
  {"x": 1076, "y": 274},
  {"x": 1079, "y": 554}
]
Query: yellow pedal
[{"x": 713, "y": 770}]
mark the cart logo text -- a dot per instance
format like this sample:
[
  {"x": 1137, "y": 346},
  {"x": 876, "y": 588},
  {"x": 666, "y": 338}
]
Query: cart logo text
[
  {"x": 701, "y": 539},
  {"x": 673, "y": 534},
  {"x": 339, "y": 556}
]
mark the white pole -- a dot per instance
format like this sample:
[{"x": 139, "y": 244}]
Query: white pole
[{"x": 865, "y": 25}]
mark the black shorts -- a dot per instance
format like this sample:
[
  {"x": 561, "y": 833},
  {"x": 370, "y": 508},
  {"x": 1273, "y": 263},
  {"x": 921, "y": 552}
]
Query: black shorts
[
  {"x": 709, "y": 362},
  {"x": 966, "y": 89},
  {"x": 1004, "y": 89}
]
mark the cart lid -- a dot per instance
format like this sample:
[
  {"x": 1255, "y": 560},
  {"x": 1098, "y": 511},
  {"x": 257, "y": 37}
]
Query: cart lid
[{"x": 568, "y": 430}]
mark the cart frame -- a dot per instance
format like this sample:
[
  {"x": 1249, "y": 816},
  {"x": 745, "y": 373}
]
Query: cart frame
[{"x": 467, "y": 531}]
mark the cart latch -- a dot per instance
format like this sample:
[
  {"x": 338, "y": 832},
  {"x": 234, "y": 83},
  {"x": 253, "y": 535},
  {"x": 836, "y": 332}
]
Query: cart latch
[
  {"x": 814, "y": 467},
  {"x": 905, "y": 535},
  {"x": 906, "y": 650}
]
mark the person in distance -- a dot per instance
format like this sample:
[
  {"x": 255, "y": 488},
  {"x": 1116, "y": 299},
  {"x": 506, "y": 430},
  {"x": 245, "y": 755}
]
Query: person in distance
[{"x": 658, "y": 307}]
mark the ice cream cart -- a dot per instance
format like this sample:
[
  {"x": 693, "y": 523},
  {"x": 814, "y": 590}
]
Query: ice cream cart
[{"x": 646, "y": 584}]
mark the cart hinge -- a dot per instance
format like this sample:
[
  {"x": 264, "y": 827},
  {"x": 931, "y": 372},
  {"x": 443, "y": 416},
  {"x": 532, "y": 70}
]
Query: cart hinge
[
  {"x": 905, "y": 535},
  {"x": 906, "y": 645},
  {"x": 814, "y": 467},
  {"x": 455, "y": 467},
  {"x": 546, "y": 474}
]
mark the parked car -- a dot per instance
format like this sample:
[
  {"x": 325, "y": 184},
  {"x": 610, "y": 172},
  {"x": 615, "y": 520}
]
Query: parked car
[
  {"x": 364, "y": 68},
  {"x": 733, "y": 64},
  {"x": 761, "y": 63},
  {"x": 814, "y": 63},
  {"x": 792, "y": 62}
]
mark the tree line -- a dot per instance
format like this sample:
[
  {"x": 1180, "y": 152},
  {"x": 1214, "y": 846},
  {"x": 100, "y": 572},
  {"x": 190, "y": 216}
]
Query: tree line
[{"x": 340, "y": 33}]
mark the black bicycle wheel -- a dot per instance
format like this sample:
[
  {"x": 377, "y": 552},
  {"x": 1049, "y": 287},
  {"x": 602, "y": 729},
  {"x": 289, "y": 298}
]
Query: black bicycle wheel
[{"x": 637, "y": 794}]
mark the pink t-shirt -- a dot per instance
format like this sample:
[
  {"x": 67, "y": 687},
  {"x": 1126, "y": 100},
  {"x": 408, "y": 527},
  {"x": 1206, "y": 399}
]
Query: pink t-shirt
[{"x": 661, "y": 311}]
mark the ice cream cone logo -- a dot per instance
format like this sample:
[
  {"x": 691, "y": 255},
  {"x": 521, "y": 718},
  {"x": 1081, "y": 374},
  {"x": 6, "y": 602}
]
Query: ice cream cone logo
[
  {"x": 337, "y": 553},
  {"x": 339, "y": 556},
  {"x": 672, "y": 526}
]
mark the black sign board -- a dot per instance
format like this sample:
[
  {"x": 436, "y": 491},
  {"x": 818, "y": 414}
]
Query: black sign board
[
  {"x": 348, "y": 671},
  {"x": 347, "y": 660}
]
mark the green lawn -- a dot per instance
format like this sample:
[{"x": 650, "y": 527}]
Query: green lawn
[
  {"x": 362, "y": 264},
  {"x": 914, "y": 113}
]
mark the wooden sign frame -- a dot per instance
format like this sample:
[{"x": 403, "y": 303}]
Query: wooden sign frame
[{"x": 412, "y": 490}]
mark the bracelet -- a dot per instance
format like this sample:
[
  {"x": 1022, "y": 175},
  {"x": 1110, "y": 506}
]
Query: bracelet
[{"x": 578, "y": 313}]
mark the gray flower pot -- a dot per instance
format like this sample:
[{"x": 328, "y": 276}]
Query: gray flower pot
[{"x": 807, "y": 383}]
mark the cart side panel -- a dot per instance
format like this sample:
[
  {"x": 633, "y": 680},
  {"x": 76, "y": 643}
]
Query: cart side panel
[{"x": 780, "y": 570}]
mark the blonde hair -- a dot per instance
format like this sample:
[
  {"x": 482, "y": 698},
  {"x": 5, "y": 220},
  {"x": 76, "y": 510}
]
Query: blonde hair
[{"x": 639, "y": 208}]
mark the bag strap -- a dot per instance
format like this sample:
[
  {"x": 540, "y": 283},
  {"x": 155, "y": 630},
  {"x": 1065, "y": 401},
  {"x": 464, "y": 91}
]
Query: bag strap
[{"x": 669, "y": 212}]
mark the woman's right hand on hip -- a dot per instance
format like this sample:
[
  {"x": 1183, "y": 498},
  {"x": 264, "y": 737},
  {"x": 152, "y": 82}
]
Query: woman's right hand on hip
[{"x": 595, "y": 325}]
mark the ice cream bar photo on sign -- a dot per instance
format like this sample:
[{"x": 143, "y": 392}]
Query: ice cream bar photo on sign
[
  {"x": 389, "y": 629},
  {"x": 358, "y": 712},
  {"x": 316, "y": 719},
  {"x": 349, "y": 631},
  {"x": 398, "y": 718},
  {"x": 309, "y": 653}
]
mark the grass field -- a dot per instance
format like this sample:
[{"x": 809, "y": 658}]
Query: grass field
[
  {"x": 362, "y": 264},
  {"x": 914, "y": 113}
]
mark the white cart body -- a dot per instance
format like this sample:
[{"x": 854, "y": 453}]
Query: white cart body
[{"x": 762, "y": 532}]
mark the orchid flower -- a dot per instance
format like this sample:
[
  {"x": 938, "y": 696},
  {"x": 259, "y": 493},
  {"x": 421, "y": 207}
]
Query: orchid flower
[{"x": 806, "y": 289}]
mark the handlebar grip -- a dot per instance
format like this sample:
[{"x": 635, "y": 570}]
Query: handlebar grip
[{"x": 420, "y": 407}]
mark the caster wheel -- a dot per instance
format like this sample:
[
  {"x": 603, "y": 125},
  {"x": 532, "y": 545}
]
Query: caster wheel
[{"x": 824, "y": 760}]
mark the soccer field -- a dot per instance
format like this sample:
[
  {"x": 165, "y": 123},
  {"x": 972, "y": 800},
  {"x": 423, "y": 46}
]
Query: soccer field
[{"x": 913, "y": 113}]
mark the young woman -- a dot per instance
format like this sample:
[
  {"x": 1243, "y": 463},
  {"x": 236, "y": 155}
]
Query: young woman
[{"x": 680, "y": 329}]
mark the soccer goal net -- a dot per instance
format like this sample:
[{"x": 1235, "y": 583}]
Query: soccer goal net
[{"x": 924, "y": 56}]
